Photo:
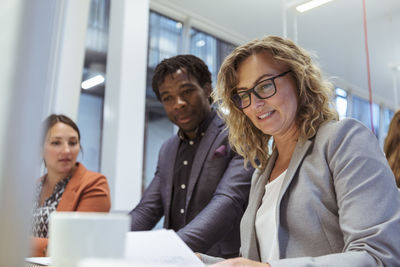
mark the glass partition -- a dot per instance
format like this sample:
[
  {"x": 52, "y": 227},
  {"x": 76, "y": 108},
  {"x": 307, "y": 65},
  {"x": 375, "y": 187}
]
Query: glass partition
[
  {"x": 361, "y": 112},
  {"x": 165, "y": 40},
  {"x": 90, "y": 113},
  {"x": 341, "y": 102},
  {"x": 210, "y": 49}
]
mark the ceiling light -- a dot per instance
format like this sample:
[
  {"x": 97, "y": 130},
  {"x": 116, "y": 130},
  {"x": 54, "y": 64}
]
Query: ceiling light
[
  {"x": 89, "y": 83},
  {"x": 395, "y": 66},
  {"x": 178, "y": 25},
  {"x": 310, "y": 5},
  {"x": 200, "y": 43}
]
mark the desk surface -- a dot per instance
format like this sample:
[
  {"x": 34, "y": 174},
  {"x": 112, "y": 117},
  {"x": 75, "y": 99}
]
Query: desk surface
[
  {"x": 37, "y": 261},
  {"x": 30, "y": 264}
]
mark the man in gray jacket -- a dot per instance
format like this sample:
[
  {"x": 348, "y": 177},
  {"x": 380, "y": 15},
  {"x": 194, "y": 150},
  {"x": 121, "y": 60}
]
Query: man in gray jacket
[{"x": 200, "y": 185}]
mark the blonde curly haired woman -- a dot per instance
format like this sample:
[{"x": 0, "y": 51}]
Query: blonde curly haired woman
[
  {"x": 323, "y": 193},
  {"x": 392, "y": 146}
]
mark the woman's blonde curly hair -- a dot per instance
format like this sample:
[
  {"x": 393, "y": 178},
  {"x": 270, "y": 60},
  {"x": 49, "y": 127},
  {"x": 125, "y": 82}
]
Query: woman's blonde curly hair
[
  {"x": 392, "y": 146},
  {"x": 314, "y": 92}
]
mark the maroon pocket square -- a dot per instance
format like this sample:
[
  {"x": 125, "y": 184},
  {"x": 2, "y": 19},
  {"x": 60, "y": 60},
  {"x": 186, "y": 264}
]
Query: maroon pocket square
[{"x": 220, "y": 152}]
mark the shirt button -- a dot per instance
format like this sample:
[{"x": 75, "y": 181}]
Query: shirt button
[
  {"x": 191, "y": 142},
  {"x": 185, "y": 162},
  {"x": 183, "y": 186},
  {"x": 202, "y": 134},
  {"x": 182, "y": 211}
]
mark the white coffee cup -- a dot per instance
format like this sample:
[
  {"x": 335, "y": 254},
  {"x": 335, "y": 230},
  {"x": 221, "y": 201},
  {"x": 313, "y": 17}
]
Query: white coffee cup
[{"x": 77, "y": 235}]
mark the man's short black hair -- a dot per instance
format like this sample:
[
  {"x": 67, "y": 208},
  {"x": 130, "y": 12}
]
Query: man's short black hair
[{"x": 193, "y": 66}]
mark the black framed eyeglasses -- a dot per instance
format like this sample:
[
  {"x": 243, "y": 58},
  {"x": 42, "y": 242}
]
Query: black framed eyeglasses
[{"x": 263, "y": 90}]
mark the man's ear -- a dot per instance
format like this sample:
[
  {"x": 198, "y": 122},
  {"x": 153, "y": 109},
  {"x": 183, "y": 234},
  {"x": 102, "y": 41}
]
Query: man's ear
[{"x": 208, "y": 89}]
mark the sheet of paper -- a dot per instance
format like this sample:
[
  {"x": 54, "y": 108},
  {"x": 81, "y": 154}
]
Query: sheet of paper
[
  {"x": 45, "y": 261},
  {"x": 159, "y": 248}
]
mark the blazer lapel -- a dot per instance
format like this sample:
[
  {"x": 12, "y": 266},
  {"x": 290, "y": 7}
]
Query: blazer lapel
[
  {"x": 297, "y": 157},
  {"x": 201, "y": 154},
  {"x": 250, "y": 247},
  {"x": 70, "y": 195},
  {"x": 167, "y": 167}
]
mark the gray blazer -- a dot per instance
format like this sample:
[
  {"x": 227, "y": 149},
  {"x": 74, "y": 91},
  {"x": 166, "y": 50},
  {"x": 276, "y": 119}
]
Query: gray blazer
[
  {"x": 338, "y": 206},
  {"x": 217, "y": 195}
]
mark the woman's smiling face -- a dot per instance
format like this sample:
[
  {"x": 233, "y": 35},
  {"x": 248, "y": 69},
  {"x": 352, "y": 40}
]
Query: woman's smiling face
[{"x": 276, "y": 115}]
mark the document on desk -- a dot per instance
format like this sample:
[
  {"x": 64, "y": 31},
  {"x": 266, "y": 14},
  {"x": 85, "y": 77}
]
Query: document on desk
[
  {"x": 38, "y": 261},
  {"x": 159, "y": 248}
]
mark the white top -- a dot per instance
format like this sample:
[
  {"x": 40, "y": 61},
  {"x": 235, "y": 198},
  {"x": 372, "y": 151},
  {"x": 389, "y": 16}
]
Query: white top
[{"x": 266, "y": 220}]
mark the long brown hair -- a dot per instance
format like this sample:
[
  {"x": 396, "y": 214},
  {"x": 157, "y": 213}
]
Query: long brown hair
[{"x": 392, "y": 146}]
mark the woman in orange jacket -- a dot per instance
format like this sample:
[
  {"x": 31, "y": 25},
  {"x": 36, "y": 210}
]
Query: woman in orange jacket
[{"x": 67, "y": 185}]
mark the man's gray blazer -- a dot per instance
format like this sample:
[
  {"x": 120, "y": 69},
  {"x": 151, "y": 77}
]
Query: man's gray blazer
[
  {"x": 338, "y": 205},
  {"x": 217, "y": 195}
]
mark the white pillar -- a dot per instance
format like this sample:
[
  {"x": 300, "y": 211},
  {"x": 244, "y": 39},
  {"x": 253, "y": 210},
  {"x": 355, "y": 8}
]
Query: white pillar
[
  {"x": 124, "y": 103},
  {"x": 395, "y": 89},
  {"x": 68, "y": 53},
  {"x": 187, "y": 25},
  {"x": 381, "y": 138},
  {"x": 289, "y": 14},
  {"x": 26, "y": 49},
  {"x": 295, "y": 29},
  {"x": 284, "y": 19}
]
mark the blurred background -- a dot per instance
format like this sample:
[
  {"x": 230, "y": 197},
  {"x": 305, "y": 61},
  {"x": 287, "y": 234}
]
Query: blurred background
[{"x": 93, "y": 60}]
